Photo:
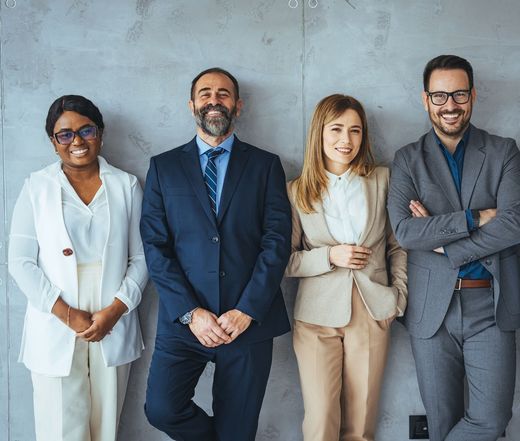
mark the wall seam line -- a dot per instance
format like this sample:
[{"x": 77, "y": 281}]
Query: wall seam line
[{"x": 4, "y": 208}]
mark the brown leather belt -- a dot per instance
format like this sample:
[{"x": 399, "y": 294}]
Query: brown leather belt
[{"x": 472, "y": 283}]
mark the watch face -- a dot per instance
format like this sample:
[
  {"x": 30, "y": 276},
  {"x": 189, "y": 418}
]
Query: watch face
[{"x": 186, "y": 318}]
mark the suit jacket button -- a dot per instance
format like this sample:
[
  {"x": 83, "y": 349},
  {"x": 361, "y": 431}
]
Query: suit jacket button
[
  {"x": 215, "y": 239},
  {"x": 488, "y": 262},
  {"x": 67, "y": 252},
  {"x": 222, "y": 274}
]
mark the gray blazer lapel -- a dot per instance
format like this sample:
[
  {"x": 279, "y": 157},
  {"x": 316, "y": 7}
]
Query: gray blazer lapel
[
  {"x": 474, "y": 157},
  {"x": 436, "y": 161},
  {"x": 191, "y": 167}
]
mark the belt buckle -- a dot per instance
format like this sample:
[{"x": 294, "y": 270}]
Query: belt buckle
[{"x": 458, "y": 285}]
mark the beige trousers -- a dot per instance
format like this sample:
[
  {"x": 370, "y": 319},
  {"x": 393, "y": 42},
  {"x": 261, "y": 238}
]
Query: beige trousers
[
  {"x": 86, "y": 405},
  {"x": 341, "y": 371}
]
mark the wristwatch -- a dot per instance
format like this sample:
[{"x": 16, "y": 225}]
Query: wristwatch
[{"x": 186, "y": 318}]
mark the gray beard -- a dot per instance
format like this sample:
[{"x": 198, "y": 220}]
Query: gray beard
[{"x": 215, "y": 126}]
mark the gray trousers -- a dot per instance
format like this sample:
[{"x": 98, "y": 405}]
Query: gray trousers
[{"x": 468, "y": 344}]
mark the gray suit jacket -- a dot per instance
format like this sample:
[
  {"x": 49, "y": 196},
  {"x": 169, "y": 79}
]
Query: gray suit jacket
[{"x": 490, "y": 178}]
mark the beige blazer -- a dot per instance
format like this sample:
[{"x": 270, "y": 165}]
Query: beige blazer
[{"x": 324, "y": 291}]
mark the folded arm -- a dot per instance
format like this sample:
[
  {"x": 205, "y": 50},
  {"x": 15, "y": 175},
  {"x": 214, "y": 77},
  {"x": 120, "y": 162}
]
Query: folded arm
[{"x": 419, "y": 233}]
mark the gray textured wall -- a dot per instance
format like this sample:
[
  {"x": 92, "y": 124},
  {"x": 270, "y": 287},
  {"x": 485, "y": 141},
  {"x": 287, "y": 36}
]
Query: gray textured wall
[{"x": 135, "y": 59}]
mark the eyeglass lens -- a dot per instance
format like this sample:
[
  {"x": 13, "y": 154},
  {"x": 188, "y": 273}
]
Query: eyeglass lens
[
  {"x": 459, "y": 96},
  {"x": 66, "y": 137}
]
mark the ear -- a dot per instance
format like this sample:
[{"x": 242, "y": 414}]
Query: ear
[
  {"x": 425, "y": 99},
  {"x": 473, "y": 95},
  {"x": 191, "y": 106},
  {"x": 239, "y": 105}
]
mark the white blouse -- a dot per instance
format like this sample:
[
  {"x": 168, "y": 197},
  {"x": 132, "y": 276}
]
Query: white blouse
[
  {"x": 87, "y": 225},
  {"x": 345, "y": 207}
]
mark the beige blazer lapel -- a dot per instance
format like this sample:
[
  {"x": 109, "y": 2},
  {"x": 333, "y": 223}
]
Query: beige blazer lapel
[
  {"x": 321, "y": 230},
  {"x": 370, "y": 190}
]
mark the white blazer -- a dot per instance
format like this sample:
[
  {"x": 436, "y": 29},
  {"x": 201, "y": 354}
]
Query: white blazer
[{"x": 47, "y": 343}]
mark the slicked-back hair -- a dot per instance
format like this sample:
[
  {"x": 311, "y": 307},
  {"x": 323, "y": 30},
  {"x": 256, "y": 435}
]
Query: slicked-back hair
[
  {"x": 72, "y": 103},
  {"x": 217, "y": 70},
  {"x": 448, "y": 62}
]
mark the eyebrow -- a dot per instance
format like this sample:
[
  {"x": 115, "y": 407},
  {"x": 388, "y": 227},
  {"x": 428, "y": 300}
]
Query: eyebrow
[
  {"x": 205, "y": 89},
  {"x": 355, "y": 126},
  {"x": 66, "y": 129}
]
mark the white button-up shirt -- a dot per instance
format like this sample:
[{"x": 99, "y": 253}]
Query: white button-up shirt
[{"x": 345, "y": 207}]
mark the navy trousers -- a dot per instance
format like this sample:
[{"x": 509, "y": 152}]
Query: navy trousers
[{"x": 239, "y": 382}]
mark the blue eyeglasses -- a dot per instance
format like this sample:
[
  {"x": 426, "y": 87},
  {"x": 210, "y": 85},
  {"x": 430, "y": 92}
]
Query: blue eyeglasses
[{"x": 66, "y": 137}]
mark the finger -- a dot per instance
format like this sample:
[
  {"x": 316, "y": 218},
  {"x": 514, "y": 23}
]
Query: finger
[
  {"x": 361, "y": 250},
  {"x": 216, "y": 338},
  {"x": 358, "y": 262},
  {"x": 356, "y": 266},
  {"x": 221, "y": 332}
]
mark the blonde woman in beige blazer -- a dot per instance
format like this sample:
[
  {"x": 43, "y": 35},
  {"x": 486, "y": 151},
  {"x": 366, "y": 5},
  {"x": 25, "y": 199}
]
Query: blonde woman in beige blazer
[{"x": 352, "y": 274}]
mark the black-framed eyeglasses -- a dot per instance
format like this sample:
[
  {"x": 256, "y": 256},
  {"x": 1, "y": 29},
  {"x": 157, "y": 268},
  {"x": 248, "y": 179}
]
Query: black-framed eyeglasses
[
  {"x": 440, "y": 98},
  {"x": 66, "y": 137}
]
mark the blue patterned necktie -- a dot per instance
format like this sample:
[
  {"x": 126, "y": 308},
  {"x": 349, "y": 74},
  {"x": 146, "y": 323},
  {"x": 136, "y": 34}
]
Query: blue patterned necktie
[{"x": 210, "y": 176}]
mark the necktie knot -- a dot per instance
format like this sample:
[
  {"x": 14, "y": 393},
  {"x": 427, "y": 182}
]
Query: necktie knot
[{"x": 213, "y": 153}]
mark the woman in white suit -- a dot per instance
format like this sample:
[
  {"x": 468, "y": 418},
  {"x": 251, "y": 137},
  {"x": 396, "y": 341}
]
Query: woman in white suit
[
  {"x": 352, "y": 274},
  {"x": 76, "y": 253}
]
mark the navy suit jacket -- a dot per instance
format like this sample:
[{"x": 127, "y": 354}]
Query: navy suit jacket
[{"x": 236, "y": 260}]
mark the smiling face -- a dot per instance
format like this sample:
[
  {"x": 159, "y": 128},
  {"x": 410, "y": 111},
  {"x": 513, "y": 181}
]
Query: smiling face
[
  {"x": 214, "y": 105},
  {"x": 80, "y": 153},
  {"x": 451, "y": 119},
  {"x": 342, "y": 138}
]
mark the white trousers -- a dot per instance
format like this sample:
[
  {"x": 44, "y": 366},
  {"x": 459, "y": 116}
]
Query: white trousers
[{"x": 86, "y": 405}]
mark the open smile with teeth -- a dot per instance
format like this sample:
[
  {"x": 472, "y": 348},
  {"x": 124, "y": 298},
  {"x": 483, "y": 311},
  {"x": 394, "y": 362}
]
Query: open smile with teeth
[
  {"x": 345, "y": 150},
  {"x": 450, "y": 117},
  {"x": 78, "y": 152}
]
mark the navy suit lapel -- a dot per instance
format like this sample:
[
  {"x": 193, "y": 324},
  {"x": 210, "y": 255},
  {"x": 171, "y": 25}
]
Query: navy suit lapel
[
  {"x": 436, "y": 161},
  {"x": 474, "y": 157},
  {"x": 191, "y": 167},
  {"x": 236, "y": 166}
]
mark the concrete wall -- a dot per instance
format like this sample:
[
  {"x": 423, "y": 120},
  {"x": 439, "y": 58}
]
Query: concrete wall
[{"x": 135, "y": 60}]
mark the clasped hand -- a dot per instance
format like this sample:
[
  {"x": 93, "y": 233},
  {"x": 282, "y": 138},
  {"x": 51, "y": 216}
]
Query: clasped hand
[
  {"x": 94, "y": 327},
  {"x": 212, "y": 331}
]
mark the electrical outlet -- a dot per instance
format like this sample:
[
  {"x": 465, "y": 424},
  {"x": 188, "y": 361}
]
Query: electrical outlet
[{"x": 418, "y": 427}]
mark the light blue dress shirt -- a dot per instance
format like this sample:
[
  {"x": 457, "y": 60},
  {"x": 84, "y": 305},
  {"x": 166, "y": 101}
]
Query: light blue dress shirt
[{"x": 221, "y": 161}]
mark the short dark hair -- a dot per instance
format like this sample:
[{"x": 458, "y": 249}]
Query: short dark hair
[
  {"x": 447, "y": 62},
  {"x": 219, "y": 71},
  {"x": 72, "y": 103}
]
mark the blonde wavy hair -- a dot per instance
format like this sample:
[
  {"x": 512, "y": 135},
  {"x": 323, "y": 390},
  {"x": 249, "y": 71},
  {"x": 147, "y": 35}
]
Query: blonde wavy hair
[{"x": 312, "y": 183}]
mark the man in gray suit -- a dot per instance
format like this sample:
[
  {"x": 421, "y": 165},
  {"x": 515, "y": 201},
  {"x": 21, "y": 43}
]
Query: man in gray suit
[{"x": 454, "y": 203}]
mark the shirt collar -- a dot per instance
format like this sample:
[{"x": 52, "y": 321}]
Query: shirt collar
[
  {"x": 338, "y": 179},
  {"x": 460, "y": 146},
  {"x": 227, "y": 144}
]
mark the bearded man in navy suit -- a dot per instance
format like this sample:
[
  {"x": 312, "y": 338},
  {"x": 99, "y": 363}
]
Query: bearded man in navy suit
[{"x": 216, "y": 228}]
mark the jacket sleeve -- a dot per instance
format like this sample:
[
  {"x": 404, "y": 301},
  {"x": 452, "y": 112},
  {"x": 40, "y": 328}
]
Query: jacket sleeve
[
  {"x": 176, "y": 293},
  {"x": 23, "y": 256},
  {"x": 275, "y": 248},
  {"x": 304, "y": 262},
  {"x": 502, "y": 231},
  {"x": 134, "y": 282},
  {"x": 426, "y": 233}
]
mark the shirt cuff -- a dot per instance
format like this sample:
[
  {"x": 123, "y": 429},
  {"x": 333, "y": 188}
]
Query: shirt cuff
[{"x": 470, "y": 220}]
